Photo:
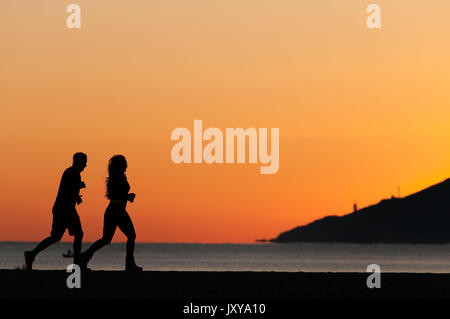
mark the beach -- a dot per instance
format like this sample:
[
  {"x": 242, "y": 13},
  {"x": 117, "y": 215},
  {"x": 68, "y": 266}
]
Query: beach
[{"x": 43, "y": 284}]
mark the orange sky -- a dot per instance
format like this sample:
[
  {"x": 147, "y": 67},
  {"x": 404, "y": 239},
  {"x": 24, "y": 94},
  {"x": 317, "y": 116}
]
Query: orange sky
[{"x": 360, "y": 111}]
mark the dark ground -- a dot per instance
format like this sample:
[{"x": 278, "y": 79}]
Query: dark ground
[{"x": 220, "y": 285}]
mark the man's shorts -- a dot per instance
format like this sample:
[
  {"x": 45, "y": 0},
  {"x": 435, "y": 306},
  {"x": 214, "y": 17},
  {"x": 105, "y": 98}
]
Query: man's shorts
[{"x": 63, "y": 219}]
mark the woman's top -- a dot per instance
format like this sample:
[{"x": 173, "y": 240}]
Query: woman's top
[{"x": 117, "y": 189}]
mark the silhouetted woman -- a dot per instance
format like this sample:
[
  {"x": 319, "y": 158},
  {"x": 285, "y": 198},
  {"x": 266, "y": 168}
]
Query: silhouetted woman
[{"x": 117, "y": 191}]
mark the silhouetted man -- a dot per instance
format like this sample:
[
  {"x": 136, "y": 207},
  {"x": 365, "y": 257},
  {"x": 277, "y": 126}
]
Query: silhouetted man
[{"x": 65, "y": 215}]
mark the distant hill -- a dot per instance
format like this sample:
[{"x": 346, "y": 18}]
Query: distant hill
[{"x": 423, "y": 217}]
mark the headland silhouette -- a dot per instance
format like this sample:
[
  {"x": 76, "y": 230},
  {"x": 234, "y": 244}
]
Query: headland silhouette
[{"x": 420, "y": 218}]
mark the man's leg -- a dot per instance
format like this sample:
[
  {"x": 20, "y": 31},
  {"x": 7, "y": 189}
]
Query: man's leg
[
  {"x": 31, "y": 255},
  {"x": 47, "y": 242},
  {"x": 76, "y": 231},
  {"x": 58, "y": 229},
  {"x": 77, "y": 242}
]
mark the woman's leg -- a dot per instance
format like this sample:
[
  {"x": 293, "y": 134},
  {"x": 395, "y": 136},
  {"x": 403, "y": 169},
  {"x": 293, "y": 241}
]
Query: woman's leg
[
  {"x": 109, "y": 228},
  {"x": 126, "y": 226}
]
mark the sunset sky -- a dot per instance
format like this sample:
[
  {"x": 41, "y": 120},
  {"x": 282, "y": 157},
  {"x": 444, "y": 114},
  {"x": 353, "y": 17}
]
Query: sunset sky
[{"x": 361, "y": 112}]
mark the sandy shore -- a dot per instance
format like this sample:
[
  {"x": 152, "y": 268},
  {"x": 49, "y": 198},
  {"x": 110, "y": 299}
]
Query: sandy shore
[{"x": 220, "y": 285}]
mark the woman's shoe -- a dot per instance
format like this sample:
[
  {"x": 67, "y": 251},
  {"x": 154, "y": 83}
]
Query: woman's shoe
[
  {"x": 132, "y": 267},
  {"x": 84, "y": 259}
]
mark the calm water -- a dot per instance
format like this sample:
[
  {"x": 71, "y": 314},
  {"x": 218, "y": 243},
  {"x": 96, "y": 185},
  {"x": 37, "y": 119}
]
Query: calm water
[{"x": 246, "y": 257}]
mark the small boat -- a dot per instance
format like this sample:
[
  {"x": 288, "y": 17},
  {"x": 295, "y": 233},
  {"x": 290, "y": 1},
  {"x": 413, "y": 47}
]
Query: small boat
[{"x": 69, "y": 254}]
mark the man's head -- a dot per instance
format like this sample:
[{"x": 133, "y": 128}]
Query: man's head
[{"x": 79, "y": 161}]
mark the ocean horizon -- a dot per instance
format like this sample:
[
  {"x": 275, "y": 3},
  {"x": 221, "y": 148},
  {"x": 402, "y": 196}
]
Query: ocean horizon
[{"x": 291, "y": 257}]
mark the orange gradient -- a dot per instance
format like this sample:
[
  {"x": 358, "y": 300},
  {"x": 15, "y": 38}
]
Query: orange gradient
[{"x": 361, "y": 112}]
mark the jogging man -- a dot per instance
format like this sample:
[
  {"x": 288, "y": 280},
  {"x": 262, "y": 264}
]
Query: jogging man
[{"x": 65, "y": 215}]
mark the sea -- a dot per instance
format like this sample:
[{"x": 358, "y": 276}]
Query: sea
[{"x": 292, "y": 257}]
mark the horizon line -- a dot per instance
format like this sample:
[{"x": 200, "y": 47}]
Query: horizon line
[{"x": 144, "y": 242}]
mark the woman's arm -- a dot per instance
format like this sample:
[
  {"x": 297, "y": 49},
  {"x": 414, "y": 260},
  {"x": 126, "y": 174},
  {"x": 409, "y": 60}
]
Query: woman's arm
[{"x": 131, "y": 197}]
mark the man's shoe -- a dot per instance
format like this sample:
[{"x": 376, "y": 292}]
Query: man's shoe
[{"x": 29, "y": 259}]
